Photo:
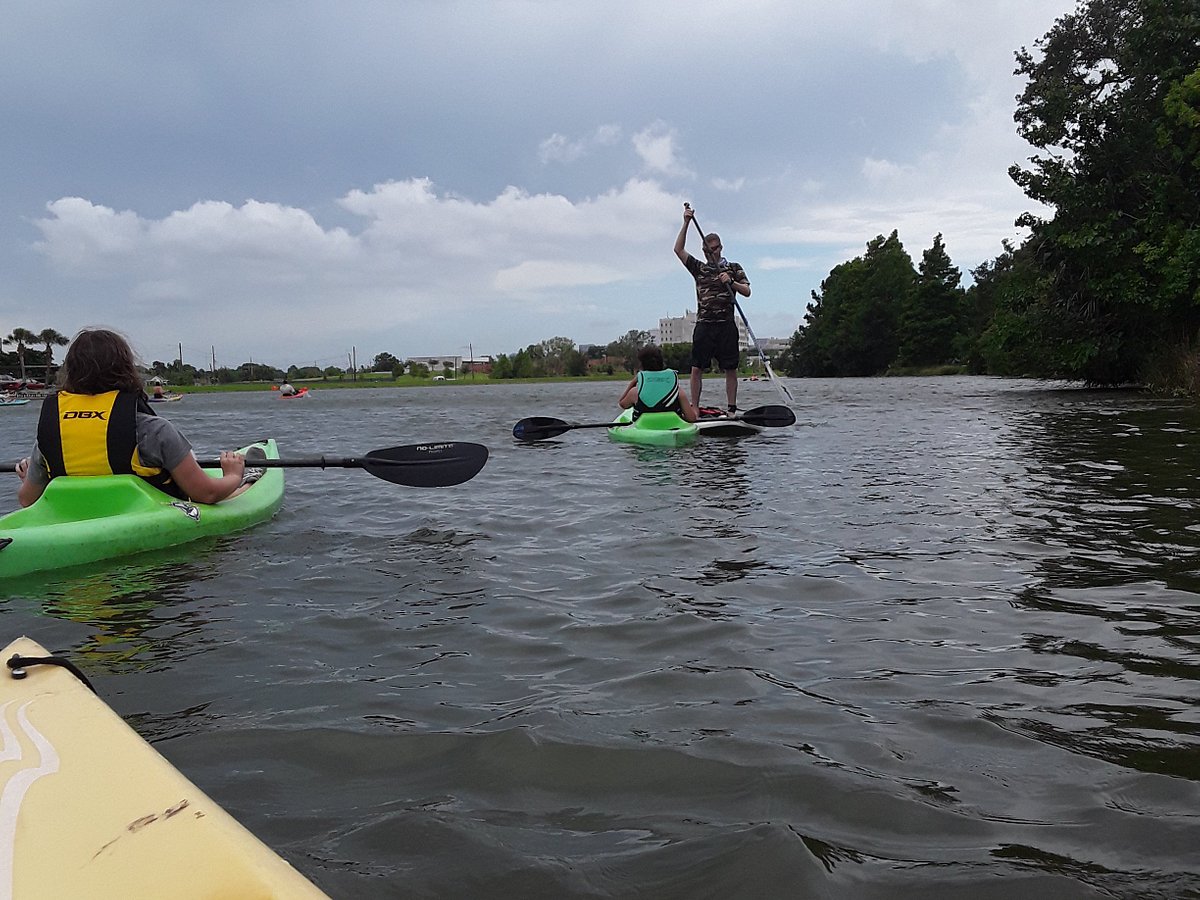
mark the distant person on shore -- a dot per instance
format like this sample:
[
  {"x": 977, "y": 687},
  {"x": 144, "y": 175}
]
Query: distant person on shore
[
  {"x": 718, "y": 284},
  {"x": 286, "y": 389},
  {"x": 656, "y": 388},
  {"x": 101, "y": 423}
]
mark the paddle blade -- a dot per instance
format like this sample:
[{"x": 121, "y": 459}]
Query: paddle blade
[
  {"x": 427, "y": 465},
  {"x": 774, "y": 416},
  {"x": 537, "y": 428}
]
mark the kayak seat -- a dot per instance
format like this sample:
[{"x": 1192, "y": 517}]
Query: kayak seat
[{"x": 74, "y": 498}]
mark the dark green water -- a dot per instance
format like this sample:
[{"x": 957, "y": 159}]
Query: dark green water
[{"x": 941, "y": 640}]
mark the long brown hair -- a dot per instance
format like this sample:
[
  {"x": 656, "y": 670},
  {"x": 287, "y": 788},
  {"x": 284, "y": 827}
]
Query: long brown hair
[{"x": 97, "y": 361}]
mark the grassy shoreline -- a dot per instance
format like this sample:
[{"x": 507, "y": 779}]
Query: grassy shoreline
[{"x": 404, "y": 381}]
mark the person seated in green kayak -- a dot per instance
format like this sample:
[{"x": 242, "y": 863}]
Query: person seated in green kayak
[
  {"x": 656, "y": 388},
  {"x": 101, "y": 423}
]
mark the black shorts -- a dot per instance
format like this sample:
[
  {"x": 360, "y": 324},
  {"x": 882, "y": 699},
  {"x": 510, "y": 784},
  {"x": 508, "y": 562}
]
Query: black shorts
[{"x": 715, "y": 339}]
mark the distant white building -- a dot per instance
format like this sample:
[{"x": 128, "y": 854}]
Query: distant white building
[
  {"x": 678, "y": 330},
  {"x": 774, "y": 346}
]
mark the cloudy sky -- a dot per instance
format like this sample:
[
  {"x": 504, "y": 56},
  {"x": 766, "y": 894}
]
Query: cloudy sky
[{"x": 286, "y": 181}]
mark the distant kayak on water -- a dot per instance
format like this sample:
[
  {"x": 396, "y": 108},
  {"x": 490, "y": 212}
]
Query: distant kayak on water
[{"x": 303, "y": 392}]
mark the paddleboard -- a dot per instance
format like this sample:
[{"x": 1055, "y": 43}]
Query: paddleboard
[{"x": 716, "y": 423}]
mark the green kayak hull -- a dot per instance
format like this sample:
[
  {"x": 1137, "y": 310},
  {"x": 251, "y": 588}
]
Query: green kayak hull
[
  {"x": 653, "y": 430},
  {"x": 84, "y": 520}
]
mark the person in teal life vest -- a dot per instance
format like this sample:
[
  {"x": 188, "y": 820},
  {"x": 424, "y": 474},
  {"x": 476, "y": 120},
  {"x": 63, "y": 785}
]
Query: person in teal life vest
[
  {"x": 101, "y": 423},
  {"x": 656, "y": 388}
]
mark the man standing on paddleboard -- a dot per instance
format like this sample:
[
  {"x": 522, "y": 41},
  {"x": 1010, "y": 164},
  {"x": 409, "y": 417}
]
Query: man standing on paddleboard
[{"x": 718, "y": 283}]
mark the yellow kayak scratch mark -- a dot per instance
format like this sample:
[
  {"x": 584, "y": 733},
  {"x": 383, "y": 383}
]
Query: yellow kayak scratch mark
[{"x": 138, "y": 824}]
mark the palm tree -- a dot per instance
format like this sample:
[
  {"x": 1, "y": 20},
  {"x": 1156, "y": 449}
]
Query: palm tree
[
  {"x": 51, "y": 339},
  {"x": 21, "y": 337}
]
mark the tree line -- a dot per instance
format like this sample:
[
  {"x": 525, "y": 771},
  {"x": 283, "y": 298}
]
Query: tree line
[
  {"x": 1106, "y": 289},
  {"x": 559, "y": 356},
  {"x": 26, "y": 356}
]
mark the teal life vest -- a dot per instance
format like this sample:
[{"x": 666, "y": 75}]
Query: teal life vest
[{"x": 657, "y": 392}]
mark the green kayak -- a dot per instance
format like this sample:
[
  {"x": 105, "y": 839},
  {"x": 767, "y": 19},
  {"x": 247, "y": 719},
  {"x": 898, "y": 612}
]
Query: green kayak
[
  {"x": 83, "y": 520},
  {"x": 659, "y": 429}
]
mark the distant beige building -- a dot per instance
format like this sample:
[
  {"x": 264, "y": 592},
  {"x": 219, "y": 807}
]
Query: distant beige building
[{"x": 678, "y": 330}]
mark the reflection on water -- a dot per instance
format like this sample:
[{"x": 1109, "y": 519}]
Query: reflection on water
[
  {"x": 1112, "y": 495},
  {"x": 135, "y": 611},
  {"x": 942, "y": 642},
  {"x": 1116, "y": 482},
  {"x": 724, "y": 498}
]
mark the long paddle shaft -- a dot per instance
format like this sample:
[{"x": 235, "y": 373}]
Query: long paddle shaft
[
  {"x": 780, "y": 386},
  {"x": 415, "y": 465},
  {"x": 537, "y": 428}
]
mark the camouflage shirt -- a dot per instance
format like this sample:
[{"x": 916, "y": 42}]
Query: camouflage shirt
[{"x": 714, "y": 301}]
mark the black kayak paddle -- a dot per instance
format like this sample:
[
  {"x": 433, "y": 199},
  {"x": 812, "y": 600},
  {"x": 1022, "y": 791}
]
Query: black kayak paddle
[
  {"x": 537, "y": 428},
  {"x": 439, "y": 464}
]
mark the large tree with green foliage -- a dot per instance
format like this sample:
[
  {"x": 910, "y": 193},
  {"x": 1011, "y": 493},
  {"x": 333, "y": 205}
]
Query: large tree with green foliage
[
  {"x": 555, "y": 352},
  {"x": 51, "y": 339},
  {"x": 1010, "y": 329},
  {"x": 23, "y": 338},
  {"x": 851, "y": 326},
  {"x": 932, "y": 314},
  {"x": 386, "y": 362},
  {"x": 1113, "y": 106},
  {"x": 678, "y": 356},
  {"x": 575, "y": 363},
  {"x": 626, "y": 347},
  {"x": 502, "y": 366}
]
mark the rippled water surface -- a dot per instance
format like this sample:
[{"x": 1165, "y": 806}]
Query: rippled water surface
[{"x": 942, "y": 639}]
